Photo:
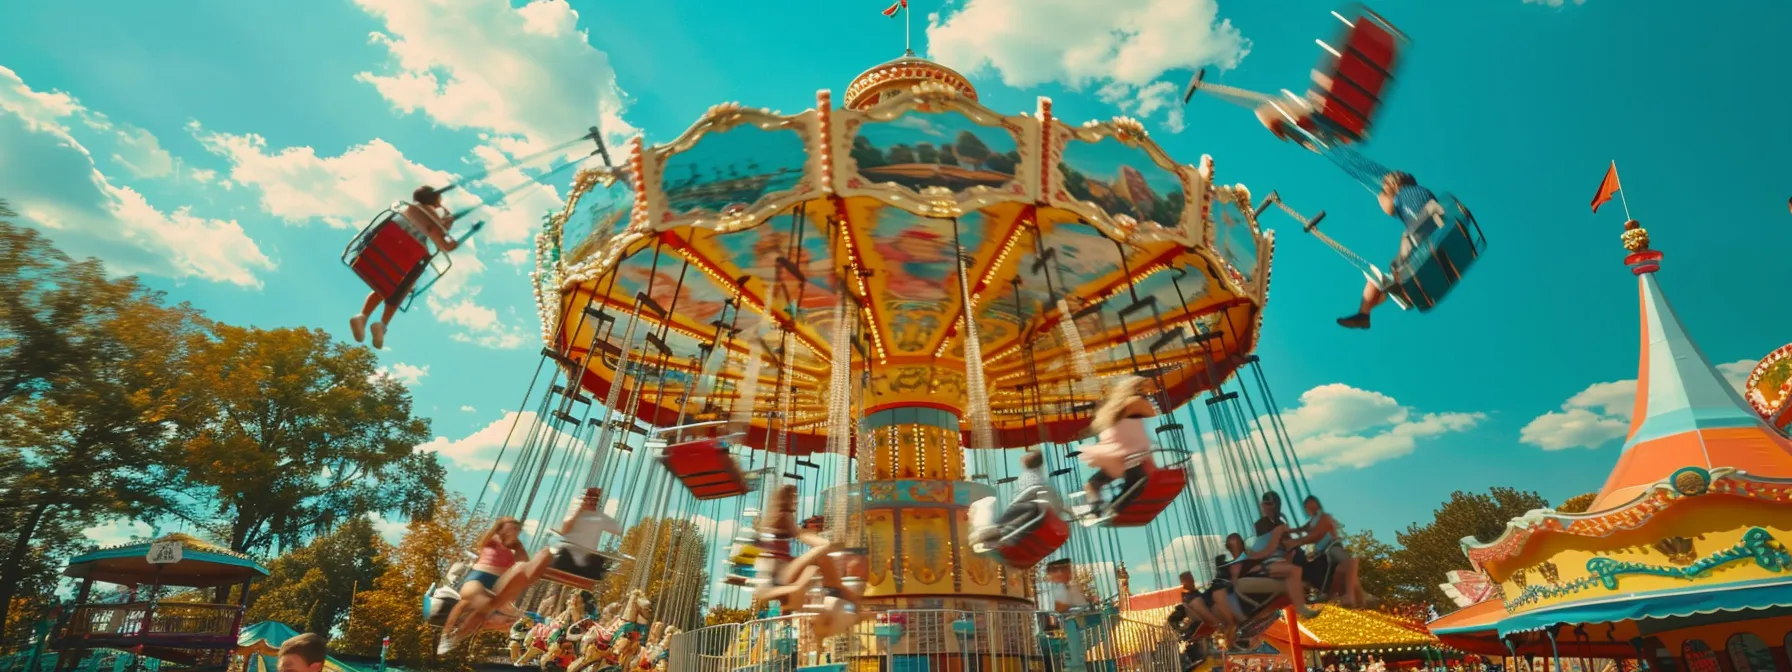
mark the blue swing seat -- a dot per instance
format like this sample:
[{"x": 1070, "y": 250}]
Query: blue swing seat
[{"x": 1435, "y": 265}]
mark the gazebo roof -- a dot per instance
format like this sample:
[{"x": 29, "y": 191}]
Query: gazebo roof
[{"x": 202, "y": 565}]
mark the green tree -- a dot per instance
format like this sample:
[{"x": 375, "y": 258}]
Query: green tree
[
  {"x": 969, "y": 147},
  {"x": 51, "y": 308},
  {"x": 1002, "y": 163},
  {"x": 311, "y": 587},
  {"x": 899, "y": 155},
  {"x": 85, "y": 439},
  {"x": 1375, "y": 565},
  {"x": 672, "y": 575},
  {"x": 947, "y": 156},
  {"x": 391, "y": 607},
  {"x": 925, "y": 152},
  {"x": 296, "y": 433},
  {"x": 1429, "y": 550},
  {"x": 866, "y": 154}
]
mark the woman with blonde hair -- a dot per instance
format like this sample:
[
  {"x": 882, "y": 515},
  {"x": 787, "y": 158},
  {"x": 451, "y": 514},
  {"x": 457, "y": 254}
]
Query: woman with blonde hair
[{"x": 1123, "y": 447}]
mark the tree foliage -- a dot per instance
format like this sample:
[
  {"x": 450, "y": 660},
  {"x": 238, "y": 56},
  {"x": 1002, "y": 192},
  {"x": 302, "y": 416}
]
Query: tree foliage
[
  {"x": 392, "y": 607},
  {"x": 719, "y": 614},
  {"x": 89, "y": 368},
  {"x": 311, "y": 587},
  {"x": 1577, "y": 503},
  {"x": 673, "y": 575},
  {"x": 294, "y": 433},
  {"x": 1429, "y": 550}
]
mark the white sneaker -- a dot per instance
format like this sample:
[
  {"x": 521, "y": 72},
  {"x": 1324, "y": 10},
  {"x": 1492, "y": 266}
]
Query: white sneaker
[
  {"x": 379, "y": 334},
  {"x": 357, "y": 326}
]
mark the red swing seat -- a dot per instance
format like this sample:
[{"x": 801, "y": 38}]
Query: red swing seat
[
  {"x": 390, "y": 253},
  {"x": 705, "y": 468},
  {"x": 1361, "y": 71},
  {"x": 1035, "y": 542},
  {"x": 1141, "y": 505}
]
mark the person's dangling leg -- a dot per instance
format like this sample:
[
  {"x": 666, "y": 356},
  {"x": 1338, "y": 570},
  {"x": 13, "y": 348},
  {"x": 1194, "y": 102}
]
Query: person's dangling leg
[
  {"x": 1290, "y": 575},
  {"x": 357, "y": 325}
]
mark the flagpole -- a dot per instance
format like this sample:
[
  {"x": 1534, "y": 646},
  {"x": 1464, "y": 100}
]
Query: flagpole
[
  {"x": 908, "y": 31},
  {"x": 1622, "y": 199}
]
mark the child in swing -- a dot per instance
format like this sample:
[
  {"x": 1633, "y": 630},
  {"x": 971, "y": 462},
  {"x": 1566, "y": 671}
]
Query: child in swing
[
  {"x": 1123, "y": 447},
  {"x": 426, "y": 215},
  {"x": 1402, "y": 198},
  {"x": 1033, "y": 495},
  {"x": 505, "y": 570},
  {"x": 791, "y": 580}
]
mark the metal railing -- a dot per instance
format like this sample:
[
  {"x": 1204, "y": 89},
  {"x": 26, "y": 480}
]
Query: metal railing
[
  {"x": 934, "y": 641},
  {"x": 152, "y": 619}
]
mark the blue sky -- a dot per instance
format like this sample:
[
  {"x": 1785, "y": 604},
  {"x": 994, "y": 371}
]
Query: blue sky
[{"x": 226, "y": 150}]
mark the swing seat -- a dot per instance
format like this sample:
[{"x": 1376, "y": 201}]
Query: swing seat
[
  {"x": 390, "y": 253},
  {"x": 1140, "y": 504},
  {"x": 705, "y": 468},
  {"x": 1033, "y": 539},
  {"x": 1437, "y": 264},
  {"x": 1360, "y": 70}
]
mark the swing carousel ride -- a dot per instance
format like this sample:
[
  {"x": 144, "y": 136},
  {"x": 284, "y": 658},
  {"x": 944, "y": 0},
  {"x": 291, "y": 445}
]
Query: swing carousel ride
[{"x": 879, "y": 305}]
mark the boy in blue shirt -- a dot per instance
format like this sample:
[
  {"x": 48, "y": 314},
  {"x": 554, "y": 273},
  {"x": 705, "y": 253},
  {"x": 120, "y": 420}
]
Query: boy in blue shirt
[{"x": 1416, "y": 207}]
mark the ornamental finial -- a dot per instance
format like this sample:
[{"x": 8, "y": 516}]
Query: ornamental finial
[{"x": 1636, "y": 238}]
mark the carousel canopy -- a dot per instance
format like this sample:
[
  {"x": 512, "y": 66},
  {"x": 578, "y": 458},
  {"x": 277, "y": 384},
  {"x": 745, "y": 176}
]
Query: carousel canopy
[
  {"x": 1692, "y": 520},
  {"x": 202, "y": 565},
  {"x": 1077, "y": 252}
]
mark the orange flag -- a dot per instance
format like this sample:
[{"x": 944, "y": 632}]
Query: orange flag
[{"x": 1607, "y": 187}]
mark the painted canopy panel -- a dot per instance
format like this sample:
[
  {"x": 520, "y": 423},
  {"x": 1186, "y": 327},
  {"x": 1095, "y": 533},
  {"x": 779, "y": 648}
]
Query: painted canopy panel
[{"x": 753, "y": 235}]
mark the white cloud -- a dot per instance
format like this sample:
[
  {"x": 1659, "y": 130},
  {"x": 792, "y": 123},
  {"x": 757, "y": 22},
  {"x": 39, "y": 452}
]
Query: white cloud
[
  {"x": 117, "y": 532},
  {"x": 51, "y": 179},
  {"x": 1601, "y": 413},
  {"x": 409, "y": 374},
  {"x": 1737, "y": 373},
  {"x": 468, "y": 409},
  {"x": 347, "y": 190},
  {"x": 526, "y": 74},
  {"x": 141, "y": 154},
  {"x": 1187, "y": 553},
  {"x": 1339, "y": 426},
  {"x": 1121, "y": 46},
  {"x": 390, "y": 530},
  {"x": 477, "y": 451},
  {"x": 342, "y": 191},
  {"x": 519, "y": 256}
]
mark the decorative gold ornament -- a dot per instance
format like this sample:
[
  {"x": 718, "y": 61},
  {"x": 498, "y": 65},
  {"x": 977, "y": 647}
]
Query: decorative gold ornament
[
  {"x": 1679, "y": 550},
  {"x": 1518, "y": 578},
  {"x": 1548, "y": 569},
  {"x": 1636, "y": 238}
]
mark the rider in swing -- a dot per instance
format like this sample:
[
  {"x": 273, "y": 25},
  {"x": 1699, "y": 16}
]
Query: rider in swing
[
  {"x": 427, "y": 215},
  {"x": 1403, "y": 198}
]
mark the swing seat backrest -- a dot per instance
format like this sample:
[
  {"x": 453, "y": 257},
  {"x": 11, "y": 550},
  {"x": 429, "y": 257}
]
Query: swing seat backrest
[
  {"x": 1438, "y": 263},
  {"x": 705, "y": 468},
  {"x": 1360, "y": 73},
  {"x": 1150, "y": 496},
  {"x": 386, "y": 253}
]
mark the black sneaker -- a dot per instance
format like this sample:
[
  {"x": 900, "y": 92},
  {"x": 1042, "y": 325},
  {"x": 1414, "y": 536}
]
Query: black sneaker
[{"x": 1357, "y": 321}]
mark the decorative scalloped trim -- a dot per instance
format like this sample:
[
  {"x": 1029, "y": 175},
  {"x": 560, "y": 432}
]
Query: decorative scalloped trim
[{"x": 1632, "y": 515}]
